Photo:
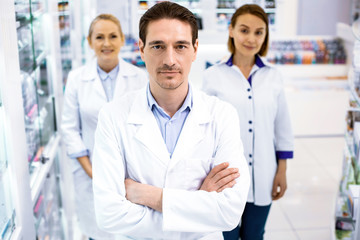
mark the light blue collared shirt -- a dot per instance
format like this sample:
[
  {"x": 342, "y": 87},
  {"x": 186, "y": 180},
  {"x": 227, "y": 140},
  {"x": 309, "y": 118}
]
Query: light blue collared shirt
[
  {"x": 108, "y": 80},
  {"x": 170, "y": 127}
]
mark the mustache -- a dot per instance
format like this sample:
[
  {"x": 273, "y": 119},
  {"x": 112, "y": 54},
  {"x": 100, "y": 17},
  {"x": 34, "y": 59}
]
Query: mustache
[{"x": 166, "y": 67}]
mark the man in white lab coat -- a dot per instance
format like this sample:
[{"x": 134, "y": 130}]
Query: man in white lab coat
[{"x": 159, "y": 152}]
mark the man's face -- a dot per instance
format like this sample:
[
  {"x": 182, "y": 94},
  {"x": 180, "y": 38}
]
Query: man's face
[{"x": 168, "y": 53}]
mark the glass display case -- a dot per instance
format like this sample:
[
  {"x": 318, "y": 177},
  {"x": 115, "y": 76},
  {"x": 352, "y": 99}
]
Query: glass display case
[
  {"x": 38, "y": 94},
  {"x": 47, "y": 214},
  {"x": 37, "y": 91},
  {"x": 192, "y": 5},
  {"x": 7, "y": 211},
  {"x": 226, "y": 8},
  {"x": 64, "y": 24},
  {"x": 347, "y": 208}
]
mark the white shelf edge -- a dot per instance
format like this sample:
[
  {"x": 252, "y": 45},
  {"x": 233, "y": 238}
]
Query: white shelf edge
[
  {"x": 313, "y": 70},
  {"x": 50, "y": 152}
]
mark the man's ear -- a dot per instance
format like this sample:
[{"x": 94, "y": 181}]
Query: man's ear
[
  {"x": 141, "y": 48},
  {"x": 196, "y": 46}
]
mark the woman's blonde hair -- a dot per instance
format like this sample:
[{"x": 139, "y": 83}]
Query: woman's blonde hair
[{"x": 108, "y": 17}]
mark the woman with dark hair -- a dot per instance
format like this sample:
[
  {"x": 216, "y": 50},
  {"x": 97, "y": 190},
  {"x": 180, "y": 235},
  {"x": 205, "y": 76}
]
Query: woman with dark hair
[{"x": 256, "y": 90}]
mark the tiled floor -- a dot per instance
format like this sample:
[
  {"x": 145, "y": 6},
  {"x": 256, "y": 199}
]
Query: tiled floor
[{"x": 306, "y": 212}]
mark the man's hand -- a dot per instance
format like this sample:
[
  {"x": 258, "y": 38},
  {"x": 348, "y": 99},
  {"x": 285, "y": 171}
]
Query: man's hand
[
  {"x": 143, "y": 194},
  {"x": 220, "y": 178},
  {"x": 279, "y": 185}
]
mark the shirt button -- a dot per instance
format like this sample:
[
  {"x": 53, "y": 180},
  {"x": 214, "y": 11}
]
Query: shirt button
[
  {"x": 250, "y": 155},
  {"x": 248, "y": 89},
  {"x": 249, "y": 97},
  {"x": 250, "y": 122},
  {"x": 250, "y": 130},
  {"x": 250, "y": 163}
]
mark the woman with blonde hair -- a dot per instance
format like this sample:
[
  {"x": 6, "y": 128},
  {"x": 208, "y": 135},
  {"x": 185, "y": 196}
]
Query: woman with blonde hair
[{"x": 88, "y": 88}]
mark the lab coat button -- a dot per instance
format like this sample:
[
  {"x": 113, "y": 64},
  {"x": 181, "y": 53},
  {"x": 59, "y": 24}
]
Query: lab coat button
[
  {"x": 250, "y": 130},
  {"x": 250, "y": 163},
  {"x": 250, "y": 122},
  {"x": 250, "y": 155},
  {"x": 248, "y": 89},
  {"x": 249, "y": 97}
]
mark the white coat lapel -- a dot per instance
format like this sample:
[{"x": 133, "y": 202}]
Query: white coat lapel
[
  {"x": 194, "y": 128},
  {"x": 148, "y": 132},
  {"x": 122, "y": 82},
  {"x": 90, "y": 74}
]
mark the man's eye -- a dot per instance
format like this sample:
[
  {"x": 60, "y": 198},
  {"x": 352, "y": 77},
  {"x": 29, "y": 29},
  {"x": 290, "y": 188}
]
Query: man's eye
[
  {"x": 181, "y": 47},
  {"x": 99, "y": 37},
  {"x": 113, "y": 36},
  {"x": 156, "y": 47}
]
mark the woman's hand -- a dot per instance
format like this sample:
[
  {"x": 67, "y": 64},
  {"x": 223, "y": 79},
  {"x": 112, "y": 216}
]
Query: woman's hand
[
  {"x": 86, "y": 165},
  {"x": 279, "y": 185}
]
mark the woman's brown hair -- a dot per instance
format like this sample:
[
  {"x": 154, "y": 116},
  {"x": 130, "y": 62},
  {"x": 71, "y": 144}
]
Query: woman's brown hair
[{"x": 257, "y": 11}]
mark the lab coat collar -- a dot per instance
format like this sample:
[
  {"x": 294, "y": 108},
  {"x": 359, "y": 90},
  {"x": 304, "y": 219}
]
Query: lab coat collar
[
  {"x": 90, "y": 70},
  {"x": 149, "y": 133},
  {"x": 141, "y": 107}
]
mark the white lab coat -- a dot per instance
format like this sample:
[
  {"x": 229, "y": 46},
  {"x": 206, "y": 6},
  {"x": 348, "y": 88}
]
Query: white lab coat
[
  {"x": 262, "y": 108},
  {"x": 84, "y": 96},
  {"x": 129, "y": 144}
]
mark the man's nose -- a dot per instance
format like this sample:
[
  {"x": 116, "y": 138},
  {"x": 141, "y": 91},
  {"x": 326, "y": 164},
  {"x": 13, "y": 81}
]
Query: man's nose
[{"x": 169, "y": 58}]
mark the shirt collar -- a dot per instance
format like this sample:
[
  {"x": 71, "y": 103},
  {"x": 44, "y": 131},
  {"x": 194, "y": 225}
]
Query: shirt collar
[
  {"x": 187, "y": 103},
  {"x": 112, "y": 74},
  {"x": 258, "y": 61}
]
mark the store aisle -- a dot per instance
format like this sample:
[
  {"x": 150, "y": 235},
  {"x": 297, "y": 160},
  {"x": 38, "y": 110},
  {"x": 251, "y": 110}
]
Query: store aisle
[{"x": 306, "y": 212}]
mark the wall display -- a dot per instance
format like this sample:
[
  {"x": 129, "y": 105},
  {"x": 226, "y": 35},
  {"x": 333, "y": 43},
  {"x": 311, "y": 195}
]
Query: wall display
[
  {"x": 347, "y": 217},
  {"x": 7, "y": 210},
  {"x": 193, "y": 5},
  {"x": 31, "y": 99},
  {"x": 64, "y": 23},
  {"x": 355, "y": 10},
  {"x": 312, "y": 51},
  {"x": 36, "y": 80}
]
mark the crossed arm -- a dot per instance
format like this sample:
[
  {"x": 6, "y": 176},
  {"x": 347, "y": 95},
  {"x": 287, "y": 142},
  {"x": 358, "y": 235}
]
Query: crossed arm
[{"x": 219, "y": 178}]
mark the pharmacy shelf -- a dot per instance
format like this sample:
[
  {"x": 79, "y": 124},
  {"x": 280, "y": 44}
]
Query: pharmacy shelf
[
  {"x": 43, "y": 166},
  {"x": 314, "y": 70}
]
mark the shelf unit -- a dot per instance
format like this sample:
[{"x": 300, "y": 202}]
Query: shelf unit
[
  {"x": 355, "y": 10},
  {"x": 31, "y": 91},
  {"x": 64, "y": 24},
  {"x": 347, "y": 215}
]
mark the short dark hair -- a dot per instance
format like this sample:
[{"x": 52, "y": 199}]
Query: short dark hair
[
  {"x": 257, "y": 11},
  {"x": 167, "y": 10}
]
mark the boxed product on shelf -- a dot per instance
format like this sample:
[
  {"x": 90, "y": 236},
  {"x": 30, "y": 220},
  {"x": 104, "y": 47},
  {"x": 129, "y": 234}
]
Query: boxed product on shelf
[
  {"x": 356, "y": 135},
  {"x": 354, "y": 194},
  {"x": 319, "y": 51},
  {"x": 344, "y": 235}
]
